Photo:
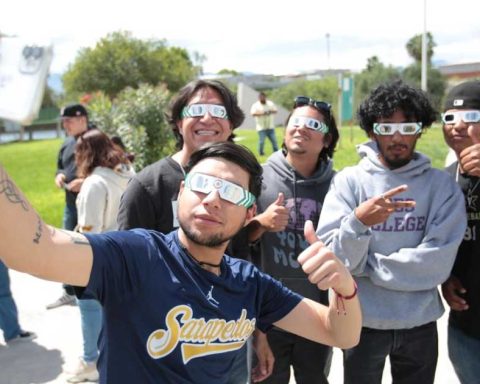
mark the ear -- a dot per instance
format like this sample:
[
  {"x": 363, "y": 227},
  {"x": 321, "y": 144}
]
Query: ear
[
  {"x": 182, "y": 187},
  {"x": 251, "y": 213},
  {"x": 327, "y": 140},
  {"x": 179, "y": 124},
  {"x": 371, "y": 135}
]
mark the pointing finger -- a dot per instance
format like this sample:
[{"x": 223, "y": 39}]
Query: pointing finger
[{"x": 395, "y": 191}]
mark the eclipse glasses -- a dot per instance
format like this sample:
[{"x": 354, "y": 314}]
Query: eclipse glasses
[
  {"x": 303, "y": 121},
  {"x": 199, "y": 110},
  {"x": 385, "y": 129},
  {"x": 466, "y": 116},
  {"x": 228, "y": 191}
]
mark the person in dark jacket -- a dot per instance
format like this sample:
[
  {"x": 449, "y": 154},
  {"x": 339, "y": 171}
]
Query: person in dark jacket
[
  {"x": 461, "y": 129},
  {"x": 296, "y": 180},
  {"x": 75, "y": 121}
]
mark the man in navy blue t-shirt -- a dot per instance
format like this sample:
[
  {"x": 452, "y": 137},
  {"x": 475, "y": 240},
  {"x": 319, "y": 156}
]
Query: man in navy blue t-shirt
[{"x": 176, "y": 309}]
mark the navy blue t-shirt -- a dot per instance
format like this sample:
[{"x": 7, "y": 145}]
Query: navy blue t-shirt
[{"x": 166, "y": 319}]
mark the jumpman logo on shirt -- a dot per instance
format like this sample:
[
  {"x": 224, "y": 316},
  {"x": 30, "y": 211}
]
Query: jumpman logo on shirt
[{"x": 210, "y": 296}]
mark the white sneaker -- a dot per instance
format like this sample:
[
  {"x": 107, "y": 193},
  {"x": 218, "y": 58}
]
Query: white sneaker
[
  {"x": 22, "y": 336},
  {"x": 84, "y": 372},
  {"x": 65, "y": 299}
]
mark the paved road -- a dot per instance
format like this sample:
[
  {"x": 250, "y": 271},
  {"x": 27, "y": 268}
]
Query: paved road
[{"x": 59, "y": 343}]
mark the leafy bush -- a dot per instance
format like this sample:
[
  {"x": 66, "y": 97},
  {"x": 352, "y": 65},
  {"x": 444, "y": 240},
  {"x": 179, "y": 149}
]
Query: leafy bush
[{"x": 138, "y": 117}]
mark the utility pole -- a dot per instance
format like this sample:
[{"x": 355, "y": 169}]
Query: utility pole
[
  {"x": 327, "y": 37},
  {"x": 424, "y": 47}
]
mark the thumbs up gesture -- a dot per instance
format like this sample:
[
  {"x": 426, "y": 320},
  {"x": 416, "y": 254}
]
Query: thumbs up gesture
[
  {"x": 321, "y": 265},
  {"x": 469, "y": 158},
  {"x": 275, "y": 217}
]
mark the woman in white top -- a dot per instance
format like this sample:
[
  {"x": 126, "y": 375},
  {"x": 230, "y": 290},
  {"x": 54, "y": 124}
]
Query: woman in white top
[{"x": 107, "y": 171}]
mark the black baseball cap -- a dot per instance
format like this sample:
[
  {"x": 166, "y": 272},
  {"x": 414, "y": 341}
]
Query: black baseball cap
[
  {"x": 464, "y": 96},
  {"x": 74, "y": 110}
]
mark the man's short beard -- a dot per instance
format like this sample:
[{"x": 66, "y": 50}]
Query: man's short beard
[{"x": 214, "y": 241}]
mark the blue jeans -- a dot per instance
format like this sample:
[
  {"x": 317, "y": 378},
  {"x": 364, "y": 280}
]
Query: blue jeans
[
  {"x": 310, "y": 361},
  {"x": 69, "y": 217},
  {"x": 413, "y": 356},
  {"x": 91, "y": 319},
  {"x": 8, "y": 310},
  {"x": 270, "y": 133},
  {"x": 464, "y": 352},
  {"x": 69, "y": 223}
]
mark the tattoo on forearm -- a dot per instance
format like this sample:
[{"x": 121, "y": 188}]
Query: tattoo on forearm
[
  {"x": 39, "y": 231},
  {"x": 76, "y": 239},
  {"x": 11, "y": 192}
]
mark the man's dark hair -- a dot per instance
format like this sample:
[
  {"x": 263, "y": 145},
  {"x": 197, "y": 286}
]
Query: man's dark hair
[
  {"x": 237, "y": 154},
  {"x": 387, "y": 98},
  {"x": 235, "y": 114},
  {"x": 329, "y": 119}
]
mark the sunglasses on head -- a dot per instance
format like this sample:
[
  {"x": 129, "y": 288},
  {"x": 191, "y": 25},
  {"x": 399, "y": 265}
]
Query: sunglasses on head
[
  {"x": 303, "y": 121},
  {"x": 199, "y": 110},
  {"x": 321, "y": 106},
  {"x": 403, "y": 128},
  {"x": 472, "y": 116},
  {"x": 228, "y": 191}
]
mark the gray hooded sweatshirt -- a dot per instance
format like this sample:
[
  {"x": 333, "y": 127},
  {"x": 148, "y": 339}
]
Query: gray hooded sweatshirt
[
  {"x": 397, "y": 264},
  {"x": 304, "y": 198}
]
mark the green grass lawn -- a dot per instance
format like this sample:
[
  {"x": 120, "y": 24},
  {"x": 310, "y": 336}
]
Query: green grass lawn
[{"x": 32, "y": 164}]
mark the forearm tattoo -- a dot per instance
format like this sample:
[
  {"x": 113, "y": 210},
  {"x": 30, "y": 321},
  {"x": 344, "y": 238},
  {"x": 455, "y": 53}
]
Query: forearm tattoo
[
  {"x": 11, "y": 192},
  {"x": 76, "y": 238},
  {"x": 39, "y": 231}
]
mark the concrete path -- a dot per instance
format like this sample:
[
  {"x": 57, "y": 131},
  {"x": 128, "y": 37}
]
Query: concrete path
[{"x": 59, "y": 343}]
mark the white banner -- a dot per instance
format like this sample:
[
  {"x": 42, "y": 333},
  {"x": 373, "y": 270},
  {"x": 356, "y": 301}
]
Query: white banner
[{"x": 24, "y": 69}]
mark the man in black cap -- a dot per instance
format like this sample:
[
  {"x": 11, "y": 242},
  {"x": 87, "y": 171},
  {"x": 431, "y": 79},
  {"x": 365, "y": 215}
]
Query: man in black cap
[
  {"x": 461, "y": 129},
  {"x": 75, "y": 122}
]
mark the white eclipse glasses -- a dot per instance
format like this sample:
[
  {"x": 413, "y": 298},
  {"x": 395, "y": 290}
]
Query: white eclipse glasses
[
  {"x": 228, "y": 191},
  {"x": 308, "y": 122},
  {"x": 199, "y": 110},
  {"x": 403, "y": 128},
  {"x": 472, "y": 116}
]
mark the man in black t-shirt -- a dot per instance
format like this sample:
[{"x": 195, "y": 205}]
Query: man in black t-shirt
[{"x": 462, "y": 290}]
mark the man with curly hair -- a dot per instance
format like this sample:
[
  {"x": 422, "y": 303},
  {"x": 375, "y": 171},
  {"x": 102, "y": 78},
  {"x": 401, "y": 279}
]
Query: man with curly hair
[{"x": 396, "y": 222}]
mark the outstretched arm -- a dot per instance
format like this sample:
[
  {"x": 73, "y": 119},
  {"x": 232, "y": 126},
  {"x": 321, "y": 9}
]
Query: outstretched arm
[
  {"x": 29, "y": 245},
  {"x": 339, "y": 324}
]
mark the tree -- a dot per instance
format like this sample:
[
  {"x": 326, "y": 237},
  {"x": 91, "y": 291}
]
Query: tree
[
  {"x": 412, "y": 74},
  {"x": 138, "y": 117},
  {"x": 414, "y": 47},
  {"x": 226, "y": 71},
  {"x": 372, "y": 76},
  {"x": 119, "y": 61},
  {"x": 324, "y": 89}
]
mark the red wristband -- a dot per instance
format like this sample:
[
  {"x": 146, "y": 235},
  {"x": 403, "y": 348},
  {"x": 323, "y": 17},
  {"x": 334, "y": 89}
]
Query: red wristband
[
  {"x": 340, "y": 298},
  {"x": 355, "y": 289}
]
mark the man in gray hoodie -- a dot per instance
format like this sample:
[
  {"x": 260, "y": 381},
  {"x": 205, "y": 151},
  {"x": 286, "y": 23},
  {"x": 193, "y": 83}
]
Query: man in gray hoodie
[
  {"x": 397, "y": 223},
  {"x": 295, "y": 182}
]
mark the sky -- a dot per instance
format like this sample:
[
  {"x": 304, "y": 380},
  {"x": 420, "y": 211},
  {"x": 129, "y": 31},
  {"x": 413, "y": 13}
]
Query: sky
[{"x": 270, "y": 37}]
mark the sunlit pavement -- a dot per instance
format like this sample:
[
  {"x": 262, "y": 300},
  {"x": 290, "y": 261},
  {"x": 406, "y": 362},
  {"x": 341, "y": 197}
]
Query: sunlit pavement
[{"x": 59, "y": 344}]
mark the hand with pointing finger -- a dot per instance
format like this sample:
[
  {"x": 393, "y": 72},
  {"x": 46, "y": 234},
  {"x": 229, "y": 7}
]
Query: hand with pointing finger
[
  {"x": 321, "y": 265},
  {"x": 469, "y": 158},
  {"x": 378, "y": 209}
]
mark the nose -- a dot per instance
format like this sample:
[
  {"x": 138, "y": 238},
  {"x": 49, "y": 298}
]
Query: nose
[
  {"x": 207, "y": 118},
  {"x": 212, "y": 199},
  {"x": 460, "y": 124},
  {"x": 397, "y": 136}
]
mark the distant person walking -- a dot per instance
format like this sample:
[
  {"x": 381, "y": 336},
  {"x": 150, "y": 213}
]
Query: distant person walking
[{"x": 263, "y": 111}]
